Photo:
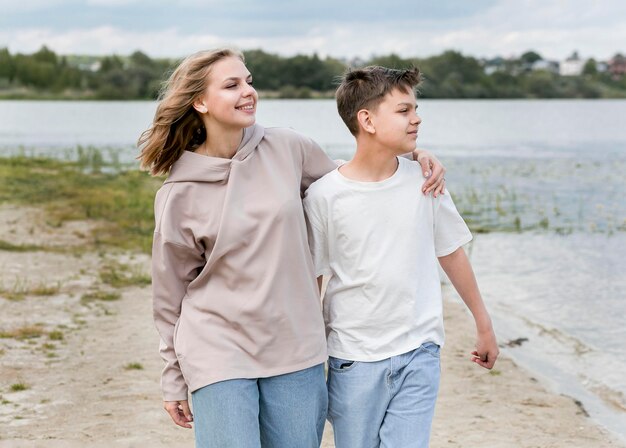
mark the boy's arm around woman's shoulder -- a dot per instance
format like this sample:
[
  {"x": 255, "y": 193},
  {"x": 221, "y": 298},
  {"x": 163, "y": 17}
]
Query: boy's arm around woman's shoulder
[{"x": 459, "y": 270}]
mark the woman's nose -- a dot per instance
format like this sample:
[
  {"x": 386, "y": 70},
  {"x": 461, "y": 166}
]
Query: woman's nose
[{"x": 248, "y": 90}]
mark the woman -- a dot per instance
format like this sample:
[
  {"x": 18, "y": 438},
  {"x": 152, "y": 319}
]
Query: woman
[{"x": 236, "y": 303}]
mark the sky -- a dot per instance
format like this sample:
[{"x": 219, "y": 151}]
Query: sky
[{"x": 346, "y": 29}]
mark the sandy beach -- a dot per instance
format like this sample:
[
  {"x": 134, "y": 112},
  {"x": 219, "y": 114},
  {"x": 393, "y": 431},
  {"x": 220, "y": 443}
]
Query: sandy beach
[{"x": 79, "y": 365}]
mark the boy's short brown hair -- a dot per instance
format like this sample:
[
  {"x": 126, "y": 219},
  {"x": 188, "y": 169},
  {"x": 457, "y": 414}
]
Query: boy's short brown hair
[{"x": 365, "y": 88}]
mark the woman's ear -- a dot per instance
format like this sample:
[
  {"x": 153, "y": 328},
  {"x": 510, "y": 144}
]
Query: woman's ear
[
  {"x": 200, "y": 106},
  {"x": 365, "y": 121}
]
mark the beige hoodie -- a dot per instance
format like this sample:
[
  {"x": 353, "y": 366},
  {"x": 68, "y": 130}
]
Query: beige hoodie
[{"x": 234, "y": 288}]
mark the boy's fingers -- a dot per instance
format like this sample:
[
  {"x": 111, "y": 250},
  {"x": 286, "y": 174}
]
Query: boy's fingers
[{"x": 486, "y": 360}]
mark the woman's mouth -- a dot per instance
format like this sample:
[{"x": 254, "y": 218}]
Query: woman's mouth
[{"x": 246, "y": 108}]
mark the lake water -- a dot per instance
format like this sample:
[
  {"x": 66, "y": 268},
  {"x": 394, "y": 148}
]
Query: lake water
[{"x": 541, "y": 183}]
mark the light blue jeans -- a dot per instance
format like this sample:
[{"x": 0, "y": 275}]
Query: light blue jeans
[
  {"x": 276, "y": 412},
  {"x": 388, "y": 403}
]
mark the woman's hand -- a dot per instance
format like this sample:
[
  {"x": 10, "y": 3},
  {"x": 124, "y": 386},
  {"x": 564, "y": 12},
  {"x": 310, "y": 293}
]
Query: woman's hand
[
  {"x": 180, "y": 412},
  {"x": 433, "y": 170}
]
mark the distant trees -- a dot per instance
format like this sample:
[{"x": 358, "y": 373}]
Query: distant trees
[{"x": 44, "y": 74}]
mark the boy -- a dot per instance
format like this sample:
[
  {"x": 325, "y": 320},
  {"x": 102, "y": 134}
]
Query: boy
[{"x": 378, "y": 239}]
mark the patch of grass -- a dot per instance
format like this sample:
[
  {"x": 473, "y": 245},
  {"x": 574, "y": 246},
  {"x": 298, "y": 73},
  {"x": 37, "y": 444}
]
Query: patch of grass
[
  {"x": 55, "y": 335},
  {"x": 44, "y": 290},
  {"x": 10, "y": 247},
  {"x": 104, "y": 296},
  {"x": 120, "y": 275},
  {"x": 495, "y": 372},
  {"x": 48, "y": 346},
  {"x": 133, "y": 366},
  {"x": 121, "y": 201},
  {"x": 21, "y": 289},
  {"x": 21, "y": 333},
  {"x": 18, "y": 387}
]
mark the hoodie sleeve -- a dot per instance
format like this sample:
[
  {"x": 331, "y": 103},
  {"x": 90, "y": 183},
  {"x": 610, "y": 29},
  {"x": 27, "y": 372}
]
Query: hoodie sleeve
[
  {"x": 315, "y": 163},
  {"x": 174, "y": 266}
]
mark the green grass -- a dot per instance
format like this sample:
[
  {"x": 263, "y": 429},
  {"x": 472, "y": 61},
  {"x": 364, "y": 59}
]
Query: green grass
[
  {"x": 133, "y": 366},
  {"x": 21, "y": 333},
  {"x": 103, "y": 296},
  {"x": 10, "y": 247},
  {"x": 121, "y": 202},
  {"x": 21, "y": 289},
  {"x": 121, "y": 275},
  {"x": 55, "y": 335},
  {"x": 18, "y": 387}
]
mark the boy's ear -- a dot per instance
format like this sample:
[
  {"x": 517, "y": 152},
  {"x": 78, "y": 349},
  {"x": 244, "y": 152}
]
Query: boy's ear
[
  {"x": 365, "y": 121},
  {"x": 200, "y": 106}
]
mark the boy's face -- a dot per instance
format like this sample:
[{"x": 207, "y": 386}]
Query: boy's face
[{"x": 396, "y": 121}]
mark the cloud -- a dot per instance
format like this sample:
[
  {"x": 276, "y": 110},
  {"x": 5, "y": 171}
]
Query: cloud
[
  {"x": 175, "y": 28},
  {"x": 111, "y": 3}
]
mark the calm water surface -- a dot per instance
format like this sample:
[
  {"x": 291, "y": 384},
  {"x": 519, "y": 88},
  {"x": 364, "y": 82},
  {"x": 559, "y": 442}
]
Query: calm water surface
[{"x": 546, "y": 179}]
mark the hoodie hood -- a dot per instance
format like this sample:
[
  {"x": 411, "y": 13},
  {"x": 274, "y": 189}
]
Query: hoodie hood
[{"x": 192, "y": 167}]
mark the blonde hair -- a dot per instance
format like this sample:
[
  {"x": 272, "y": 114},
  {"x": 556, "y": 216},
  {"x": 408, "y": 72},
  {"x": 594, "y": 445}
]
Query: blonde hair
[{"x": 177, "y": 126}]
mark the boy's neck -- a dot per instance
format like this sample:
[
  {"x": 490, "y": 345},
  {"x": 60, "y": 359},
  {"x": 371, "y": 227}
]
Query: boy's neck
[{"x": 370, "y": 163}]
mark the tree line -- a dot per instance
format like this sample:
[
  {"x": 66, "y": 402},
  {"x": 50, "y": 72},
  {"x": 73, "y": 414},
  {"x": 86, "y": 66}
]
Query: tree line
[{"x": 45, "y": 74}]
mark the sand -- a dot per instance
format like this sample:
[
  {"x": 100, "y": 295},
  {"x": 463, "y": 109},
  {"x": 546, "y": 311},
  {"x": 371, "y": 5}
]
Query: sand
[{"x": 80, "y": 391}]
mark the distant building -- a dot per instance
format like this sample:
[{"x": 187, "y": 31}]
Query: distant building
[
  {"x": 602, "y": 67},
  {"x": 617, "y": 66},
  {"x": 548, "y": 66},
  {"x": 572, "y": 66},
  {"x": 90, "y": 66},
  {"x": 491, "y": 66}
]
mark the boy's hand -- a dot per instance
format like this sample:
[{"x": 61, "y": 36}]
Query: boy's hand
[
  {"x": 433, "y": 171},
  {"x": 486, "y": 351}
]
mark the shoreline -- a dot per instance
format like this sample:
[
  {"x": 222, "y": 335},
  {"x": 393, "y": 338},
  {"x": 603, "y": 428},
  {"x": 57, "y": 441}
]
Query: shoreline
[
  {"x": 519, "y": 409},
  {"x": 90, "y": 367}
]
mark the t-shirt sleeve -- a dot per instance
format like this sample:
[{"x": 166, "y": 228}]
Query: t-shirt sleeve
[
  {"x": 316, "y": 163},
  {"x": 317, "y": 230},
  {"x": 450, "y": 230}
]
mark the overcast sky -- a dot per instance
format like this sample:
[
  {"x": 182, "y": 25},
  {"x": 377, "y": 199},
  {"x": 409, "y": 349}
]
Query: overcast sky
[{"x": 174, "y": 28}]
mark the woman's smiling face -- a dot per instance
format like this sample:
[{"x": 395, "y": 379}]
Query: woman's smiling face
[{"x": 229, "y": 100}]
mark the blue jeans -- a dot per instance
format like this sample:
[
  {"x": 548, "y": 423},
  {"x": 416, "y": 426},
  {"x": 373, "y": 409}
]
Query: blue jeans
[
  {"x": 388, "y": 403},
  {"x": 276, "y": 412}
]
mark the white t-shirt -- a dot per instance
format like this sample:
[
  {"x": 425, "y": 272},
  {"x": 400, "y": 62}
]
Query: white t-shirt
[{"x": 379, "y": 243}]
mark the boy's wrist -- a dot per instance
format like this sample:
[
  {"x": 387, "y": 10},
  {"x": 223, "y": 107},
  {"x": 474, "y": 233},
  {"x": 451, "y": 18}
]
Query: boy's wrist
[{"x": 484, "y": 326}]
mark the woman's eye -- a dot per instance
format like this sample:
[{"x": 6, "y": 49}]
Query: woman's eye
[
  {"x": 230, "y": 86},
  {"x": 250, "y": 83}
]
